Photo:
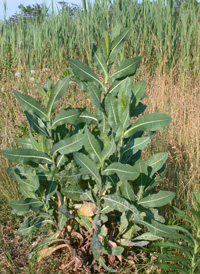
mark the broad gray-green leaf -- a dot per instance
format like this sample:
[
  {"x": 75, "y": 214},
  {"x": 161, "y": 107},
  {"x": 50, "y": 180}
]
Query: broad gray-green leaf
[
  {"x": 25, "y": 143},
  {"x": 107, "y": 42},
  {"x": 57, "y": 92},
  {"x": 99, "y": 61},
  {"x": 147, "y": 236},
  {"x": 92, "y": 146},
  {"x": 26, "y": 186},
  {"x": 32, "y": 223},
  {"x": 85, "y": 222},
  {"x": 124, "y": 97},
  {"x": 29, "y": 104},
  {"x": 124, "y": 123},
  {"x": 125, "y": 172},
  {"x": 26, "y": 156},
  {"x": 96, "y": 244},
  {"x": 24, "y": 206},
  {"x": 118, "y": 44},
  {"x": 116, "y": 251},
  {"x": 43, "y": 144},
  {"x": 108, "y": 150},
  {"x": 149, "y": 122},
  {"x": 95, "y": 95},
  {"x": 42, "y": 91},
  {"x": 69, "y": 116},
  {"x": 83, "y": 72},
  {"x": 63, "y": 209},
  {"x": 156, "y": 161},
  {"x": 103, "y": 263},
  {"x": 88, "y": 166},
  {"x": 87, "y": 117},
  {"x": 119, "y": 85},
  {"x": 37, "y": 124},
  {"x": 69, "y": 145},
  {"x": 112, "y": 110},
  {"x": 50, "y": 189},
  {"x": 127, "y": 68},
  {"x": 126, "y": 242},
  {"x": 157, "y": 200},
  {"x": 135, "y": 145},
  {"x": 136, "y": 111},
  {"x": 73, "y": 192},
  {"x": 127, "y": 191},
  {"x": 87, "y": 196},
  {"x": 138, "y": 92},
  {"x": 117, "y": 203},
  {"x": 160, "y": 229}
]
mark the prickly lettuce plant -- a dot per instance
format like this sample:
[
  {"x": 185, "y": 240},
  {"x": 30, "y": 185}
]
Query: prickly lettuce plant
[
  {"x": 183, "y": 255},
  {"x": 83, "y": 171}
]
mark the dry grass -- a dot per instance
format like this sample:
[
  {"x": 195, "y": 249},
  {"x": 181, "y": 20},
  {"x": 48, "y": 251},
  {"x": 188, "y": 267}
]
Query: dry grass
[{"x": 179, "y": 98}]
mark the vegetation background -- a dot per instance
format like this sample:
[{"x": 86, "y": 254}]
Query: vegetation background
[{"x": 37, "y": 42}]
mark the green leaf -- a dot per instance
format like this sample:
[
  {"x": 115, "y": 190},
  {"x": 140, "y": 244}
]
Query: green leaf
[
  {"x": 85, "y": 222},
  {"x": 25, "y": 143},
  {"x": 138, "y": 92},
  {"x": 24, "y": 206},
  {"x": 87, "y": 117},
  {"x": 33, "y": 223},
  {"x": 127, "y": 68},
  {"x": 136, "y": 111},
  {"x": 69, "y": 145},
  {"x": 124, "y": 123},
  {"x": 160, "y": 229},
  {"x": 118, "y": 44},
  {"x": 156, "y": 161},
  {"x": 115, "y": 202},
  {"x": 157, "y": 200},
  {"x": 69, "y": 116},
  {"x": 125, "y": 172},
  {"x": 149, "y": 122},
  {"x": 99, "y": 61},
  {"x": 26, "y": 156},
  {"x": 127, "y": 191},
  {"x": 29, "y": 104},
  {"x": 95, "y": 95},
  {"x": 147, "y": 236},
  {"x": 107, "y": 42},
  {"x": 43, "y": 144},
  {"x": 102, "y": 262},
  {"x": 96, "y": 245},
  {"x": 51, "y": 187},
  {"x": 42, "y": 91},
  {"x": 83, "y": 72},
  {"x": 57, "y": 92},
  {"x": 26, "y": 186},
  {"x": 92, "y": 146},
  {"x": 119, "y": 85},
  {"x": 116, "y": 251},
  {"x": 88, "y": 166},
  {"x": 108, "y": 150},
  {"x": 111, "y": 106},
  {"x": 73, "y": 192},
  {"x": 37, "y": 124},
  {"x": 63, "y": 208},
  {"x": 135, "y": 145}
]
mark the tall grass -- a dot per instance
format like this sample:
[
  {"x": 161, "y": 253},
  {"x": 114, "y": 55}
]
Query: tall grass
[{"x": 166, "y": 37}]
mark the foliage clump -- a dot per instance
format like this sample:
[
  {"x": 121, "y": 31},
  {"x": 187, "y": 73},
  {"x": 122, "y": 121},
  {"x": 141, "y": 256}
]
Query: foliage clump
[{"x": 81, "y": 173}]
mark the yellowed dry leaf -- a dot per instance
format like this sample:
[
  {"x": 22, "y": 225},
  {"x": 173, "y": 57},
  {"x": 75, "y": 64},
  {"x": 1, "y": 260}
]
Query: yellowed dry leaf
[
  {"x": 48, "y": 251},
  {"x": 87, "y": 210}
]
